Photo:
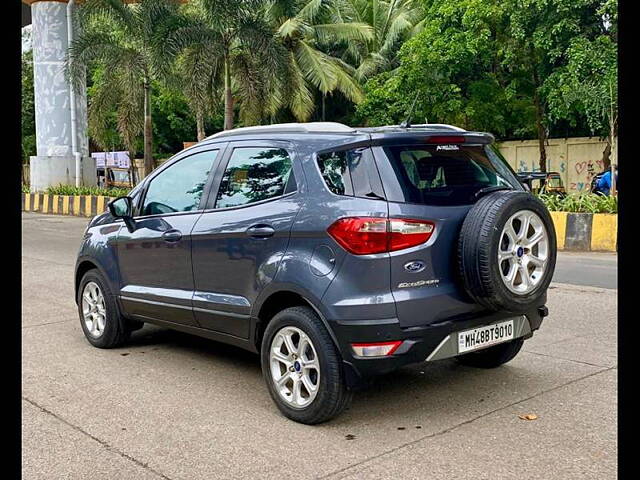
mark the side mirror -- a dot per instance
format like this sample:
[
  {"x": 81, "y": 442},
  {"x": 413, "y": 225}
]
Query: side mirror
[{"x": 122, "y": 207}]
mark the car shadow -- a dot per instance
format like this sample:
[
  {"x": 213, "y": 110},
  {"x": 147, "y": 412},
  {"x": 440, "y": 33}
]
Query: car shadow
[{"x": 414, "y": 393}]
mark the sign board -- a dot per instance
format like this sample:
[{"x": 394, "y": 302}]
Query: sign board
[{"x": 112, "y": 159}]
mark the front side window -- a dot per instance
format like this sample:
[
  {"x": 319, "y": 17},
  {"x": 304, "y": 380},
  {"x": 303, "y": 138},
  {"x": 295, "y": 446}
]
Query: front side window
[
  {"x": 179, "y": 188},
  {"x": 255, "y": 174}
]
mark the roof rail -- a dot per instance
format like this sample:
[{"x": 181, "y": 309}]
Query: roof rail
[{"x": 310, "y": 127}]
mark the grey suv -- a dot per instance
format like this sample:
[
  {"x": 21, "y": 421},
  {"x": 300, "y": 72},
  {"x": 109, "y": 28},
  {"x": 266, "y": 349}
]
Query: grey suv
[{"x": 336, "y": 253}]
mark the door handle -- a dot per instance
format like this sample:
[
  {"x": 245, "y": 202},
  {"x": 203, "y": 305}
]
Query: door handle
[
  {"x": 172, "y": 236},
  {"x": 260, "y": 231}
]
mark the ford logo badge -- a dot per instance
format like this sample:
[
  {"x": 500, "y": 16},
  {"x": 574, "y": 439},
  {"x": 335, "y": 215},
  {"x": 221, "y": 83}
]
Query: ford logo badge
[{"x": 415, "y": 266}]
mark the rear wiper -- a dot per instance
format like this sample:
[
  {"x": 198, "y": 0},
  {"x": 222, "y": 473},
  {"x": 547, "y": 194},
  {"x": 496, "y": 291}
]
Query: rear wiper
[{"x": 491, "y": 189}]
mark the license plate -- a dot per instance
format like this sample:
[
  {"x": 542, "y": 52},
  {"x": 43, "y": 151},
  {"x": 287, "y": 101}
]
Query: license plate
[{"x": 481, "y": 337}]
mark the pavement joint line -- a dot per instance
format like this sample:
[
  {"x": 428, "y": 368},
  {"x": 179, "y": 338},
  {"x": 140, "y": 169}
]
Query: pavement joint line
[
  {"x": 45, "y": 324},
  {"x": 568, "y": 359},
  {"x": 461, "y": 424},
  {"x": 47, "y": 261},
  {"x": 101, "y": 442},
  {"x": 581, "y": 288}
]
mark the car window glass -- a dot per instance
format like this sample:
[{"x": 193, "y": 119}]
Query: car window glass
[
  {"x": 334, "y": 167},
  {"x": 447, "y": 174},
  {"x": 255, "y": 174},
  {"x": 179, "y": 188}
]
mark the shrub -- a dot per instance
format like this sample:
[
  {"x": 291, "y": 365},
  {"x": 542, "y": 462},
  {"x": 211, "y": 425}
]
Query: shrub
[
  {"x": 72, "y": 190},
  {"x": 581, "y": 203},
  {"x": 25, "y": 188}
]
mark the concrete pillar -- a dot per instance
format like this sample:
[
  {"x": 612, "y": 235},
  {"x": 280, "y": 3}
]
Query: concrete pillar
[{"x": 54, "y": 163}]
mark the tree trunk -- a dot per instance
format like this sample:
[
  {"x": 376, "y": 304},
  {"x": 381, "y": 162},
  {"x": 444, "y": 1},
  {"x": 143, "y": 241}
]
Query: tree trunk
[
  {"x": 606, "y": 154},
  {"x": 148, "y": 131},
  {"x": 228, "y": 97},
  {"x": 542, "y": 133},
  {"x": 200, "y": 126},
  {"x": 323, "y": 106}
]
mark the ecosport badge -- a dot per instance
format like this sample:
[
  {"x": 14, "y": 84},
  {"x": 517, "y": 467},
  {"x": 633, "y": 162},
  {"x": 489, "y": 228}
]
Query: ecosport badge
[
  {"x": 419, "y": 283},
  {"x": 447, "y": 147}
]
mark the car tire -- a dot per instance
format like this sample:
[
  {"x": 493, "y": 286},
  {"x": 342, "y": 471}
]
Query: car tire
[
  {"x": 106, "y": 328},
  {"x": 331, "y": 396},
  {"x": 485, "y": 235},
  {"x": 492, "y": 357}
]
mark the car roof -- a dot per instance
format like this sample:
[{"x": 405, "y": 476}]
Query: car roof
[{"x": 327, "y": 133}]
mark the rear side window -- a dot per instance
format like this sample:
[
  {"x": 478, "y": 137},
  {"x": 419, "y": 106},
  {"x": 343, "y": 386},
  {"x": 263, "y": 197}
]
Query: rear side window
[
  {"x": 351, "y": 172},
  {"x": 447, "y": 174},
  {"x": 255, "y": 174}
]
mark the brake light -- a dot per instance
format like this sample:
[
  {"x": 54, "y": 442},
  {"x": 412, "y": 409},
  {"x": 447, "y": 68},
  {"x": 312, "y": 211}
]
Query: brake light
[
  {"x": 440, "y": 139},
  {"x": 368, "y": 235},
  {"x": 377, "y": 349}
]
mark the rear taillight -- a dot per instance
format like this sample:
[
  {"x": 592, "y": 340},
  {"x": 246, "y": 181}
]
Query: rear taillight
[
  {"x": 445, "y": 139},
  {"x": 368, "y": 235}
]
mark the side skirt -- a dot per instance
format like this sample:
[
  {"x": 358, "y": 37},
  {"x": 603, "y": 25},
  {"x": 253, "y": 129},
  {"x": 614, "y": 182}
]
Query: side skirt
[{"x": 243, "y": 343}]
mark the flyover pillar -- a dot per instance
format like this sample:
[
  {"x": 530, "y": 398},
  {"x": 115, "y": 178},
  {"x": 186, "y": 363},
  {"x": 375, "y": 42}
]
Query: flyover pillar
[{"x": 55, "y": 163}]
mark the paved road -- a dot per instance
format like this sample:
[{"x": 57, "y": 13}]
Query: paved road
[{"x": 172, "y": 406}]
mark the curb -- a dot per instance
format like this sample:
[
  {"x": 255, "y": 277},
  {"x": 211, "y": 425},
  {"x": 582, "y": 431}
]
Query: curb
[
  {"x": 586, "y": 232},
  {"x": 77, "y": 205}
]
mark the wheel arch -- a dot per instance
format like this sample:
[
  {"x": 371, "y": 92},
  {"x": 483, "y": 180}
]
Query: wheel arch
[
  {"x": 82, "y": 267},
  {"x": 277, "y": 300}
]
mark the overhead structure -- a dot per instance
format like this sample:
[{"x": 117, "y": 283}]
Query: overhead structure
[{"x": 55, "y": 162}]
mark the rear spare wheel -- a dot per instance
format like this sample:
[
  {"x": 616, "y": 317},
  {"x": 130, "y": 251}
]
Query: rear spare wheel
[{"x": 507, "y": 251}]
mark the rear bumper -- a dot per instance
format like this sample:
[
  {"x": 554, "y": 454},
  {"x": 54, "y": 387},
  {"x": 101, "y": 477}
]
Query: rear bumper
[{"x": 419, "y": 343}]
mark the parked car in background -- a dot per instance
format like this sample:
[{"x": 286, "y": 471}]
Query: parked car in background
[
  {"x": 111, "y": 177},
  {"x": 335, "y": 253},
  {"x": 543, "y": 182}
]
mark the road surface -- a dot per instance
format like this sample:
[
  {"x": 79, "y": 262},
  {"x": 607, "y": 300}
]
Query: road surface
[{"x": 172, "y": 406}]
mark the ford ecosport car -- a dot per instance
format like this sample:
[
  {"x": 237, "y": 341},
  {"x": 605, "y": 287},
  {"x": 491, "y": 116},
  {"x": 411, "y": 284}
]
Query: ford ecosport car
[{"x": 336, "y": 253}]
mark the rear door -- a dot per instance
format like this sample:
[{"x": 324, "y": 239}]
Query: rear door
[
  {"x": 438, "y": 183},
  {"x": 240, "y": 238}
]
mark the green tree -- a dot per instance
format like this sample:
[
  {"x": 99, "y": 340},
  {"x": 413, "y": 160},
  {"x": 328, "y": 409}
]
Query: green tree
[
  {"x": 392, "y": 22},
  {"x": 535, "y": 40},
  {"x": 486, "y": 65},
  {"x": 128, "y": 41},
  {"x": 452, "y": 68},
  {"x": 231, "y": 44},
  {"x": 307, "y": 30},
  {"x": 588, "y": 84},
  {"x": 28, "y": 114}
]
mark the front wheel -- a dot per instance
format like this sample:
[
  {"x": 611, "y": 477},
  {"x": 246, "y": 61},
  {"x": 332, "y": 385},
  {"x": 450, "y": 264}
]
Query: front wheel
[
  {"x": 100, "y": 319},
  {"x": 302, "y": 367}
]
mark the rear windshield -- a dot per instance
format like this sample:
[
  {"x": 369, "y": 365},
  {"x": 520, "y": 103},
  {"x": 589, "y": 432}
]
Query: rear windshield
[{"x": 448, "y": 174}]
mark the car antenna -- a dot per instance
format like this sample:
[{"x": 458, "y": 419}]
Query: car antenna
[{"x": 407, "y": 122}]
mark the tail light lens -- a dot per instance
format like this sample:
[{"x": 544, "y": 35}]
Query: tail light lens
[
  {"x": 368, "y": 235},
  {"x": 377, "y": 349}
]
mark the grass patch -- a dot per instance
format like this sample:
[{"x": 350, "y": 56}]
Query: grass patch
[
  {"x": 581, "y": 203},
  {"x": 72, "y": 190}
]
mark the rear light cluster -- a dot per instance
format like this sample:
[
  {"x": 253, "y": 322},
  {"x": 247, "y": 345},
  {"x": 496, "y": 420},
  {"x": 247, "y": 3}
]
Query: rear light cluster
[
  {"x": 368, "y": 235},
  {"x": 377, "y": 349}
]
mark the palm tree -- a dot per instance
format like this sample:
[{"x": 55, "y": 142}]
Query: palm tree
[
  {"x": 392, "y": 23},
  {"x": 235, "y": 47},
  {"x": 127, "y": 41},
  {"x": 308, "y": 29}
]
